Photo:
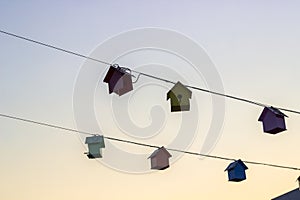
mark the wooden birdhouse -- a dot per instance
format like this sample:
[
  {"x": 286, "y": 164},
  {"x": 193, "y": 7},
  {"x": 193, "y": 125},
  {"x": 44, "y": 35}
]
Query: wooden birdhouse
[
  {"x": 180, "y": 97},
  {"x": 119, "y": 81},
  {"x": 95, "y": 144},
  {"x": 236, "y": 171},
  {"x": 160, "y": 159},
  {"x": 273, "y": 120}
]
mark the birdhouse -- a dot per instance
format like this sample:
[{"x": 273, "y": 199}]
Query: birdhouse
[
  {"x": 291, "y": 195},
  {"x": 160, "y": 159},
  {"x": 180, "y": 97},
  {"x": 119, "y": 81},
  {"x": 236, "y": 171},
  {"x": 273, "y": 120},
  {"x": 95, "y": 143}
]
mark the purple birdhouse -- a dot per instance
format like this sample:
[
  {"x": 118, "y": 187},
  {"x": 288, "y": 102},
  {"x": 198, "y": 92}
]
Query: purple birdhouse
[
  {"x": 236, "y": 171},
  {"x": 273, "y": 120},
  {"x": 160, "y": 159},
  {"x": 119, "y": 81}
]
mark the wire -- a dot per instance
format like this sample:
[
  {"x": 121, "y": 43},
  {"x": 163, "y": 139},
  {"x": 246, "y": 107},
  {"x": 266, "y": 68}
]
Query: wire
[
  {"x": 150, "y": 76},
  {"x": 207, "y": 91},
  {"x": 44, "y": 124},
  {"x": 147, "y": 75},
  {"x": 54, "y": 47},
  {"x": 144, "y": 144}
]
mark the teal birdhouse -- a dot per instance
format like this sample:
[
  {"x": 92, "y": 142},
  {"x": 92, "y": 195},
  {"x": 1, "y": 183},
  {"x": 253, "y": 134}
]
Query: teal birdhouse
[{"x": 95, "y": 144}]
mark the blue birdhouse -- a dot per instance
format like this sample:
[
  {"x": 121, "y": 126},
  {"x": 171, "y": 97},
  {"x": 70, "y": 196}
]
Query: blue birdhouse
[
  {"x": 119, "y": 81},
  {"x": 273, "y": 120},
  {"x": 95, "y": 143},
  {"x": 236, "y": 171}
]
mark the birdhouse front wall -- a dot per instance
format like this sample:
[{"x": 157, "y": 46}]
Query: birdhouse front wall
[
  {"x": 179, "y": 102},
  {"x": 95, "y": 150},
  {"x": 273, "y": 123},
  {"x": 125, "y": 84},
  {"x": 160, "y": 161}
]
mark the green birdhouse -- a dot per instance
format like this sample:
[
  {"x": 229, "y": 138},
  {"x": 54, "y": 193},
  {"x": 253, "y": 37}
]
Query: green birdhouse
[{"x": 180, "y": 97}]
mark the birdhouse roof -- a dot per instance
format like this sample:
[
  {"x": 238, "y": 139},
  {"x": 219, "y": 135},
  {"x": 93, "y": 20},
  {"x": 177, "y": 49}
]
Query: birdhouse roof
[
  {"x": 109, "y": 74},
  {"x": 179, "y": 87},
  {"x": 159, "y": 151},
  {"x": 95, "y": 139},
  {"x": 236, "y": 163},
  {"x": 276, "y": 111}
]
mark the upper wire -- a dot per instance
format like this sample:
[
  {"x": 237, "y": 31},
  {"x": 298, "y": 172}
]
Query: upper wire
[
  {"x": 54, "y": 47},
  {"x": 147, "y": 75}
]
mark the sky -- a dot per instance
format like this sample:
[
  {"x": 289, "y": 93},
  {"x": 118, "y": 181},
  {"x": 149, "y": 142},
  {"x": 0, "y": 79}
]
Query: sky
[{"x": 251, "y": 48}]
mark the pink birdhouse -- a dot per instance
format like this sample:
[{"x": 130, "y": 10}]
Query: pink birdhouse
[{"x": 160, "y": 159}]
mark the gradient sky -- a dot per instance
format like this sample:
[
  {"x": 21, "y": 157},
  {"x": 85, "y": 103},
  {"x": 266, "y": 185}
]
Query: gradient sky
[{"x": 254, "y": 46}]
